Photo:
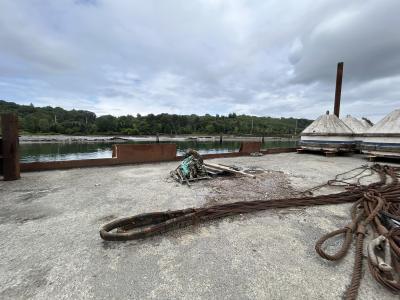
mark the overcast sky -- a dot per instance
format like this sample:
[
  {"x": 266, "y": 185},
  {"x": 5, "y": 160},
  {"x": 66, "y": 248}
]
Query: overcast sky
[{"x": 275, "y": 58}]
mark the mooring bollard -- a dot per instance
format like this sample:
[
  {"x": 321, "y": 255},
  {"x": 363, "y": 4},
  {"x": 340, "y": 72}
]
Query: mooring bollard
[{"x": 10, "y": 147}]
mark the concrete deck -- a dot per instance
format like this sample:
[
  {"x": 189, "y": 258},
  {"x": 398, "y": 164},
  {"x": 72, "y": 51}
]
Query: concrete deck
[{"x": 50, "y": 246}]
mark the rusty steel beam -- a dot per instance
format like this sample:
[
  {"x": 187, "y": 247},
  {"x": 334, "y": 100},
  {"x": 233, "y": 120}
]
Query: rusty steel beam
[
  {"x": 10, "y": 147},
  {"x": 133, "y": 156},
  {"x": 250, "y": 147},
  {"x": 338, "y": 92}
]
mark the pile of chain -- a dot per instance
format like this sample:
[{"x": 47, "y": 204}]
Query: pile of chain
[{"x": 376, "y": 208}]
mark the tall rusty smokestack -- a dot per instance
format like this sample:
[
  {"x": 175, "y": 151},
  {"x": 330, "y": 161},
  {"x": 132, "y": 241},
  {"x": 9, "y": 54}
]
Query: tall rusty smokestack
[{"x": 338, "y": 92}]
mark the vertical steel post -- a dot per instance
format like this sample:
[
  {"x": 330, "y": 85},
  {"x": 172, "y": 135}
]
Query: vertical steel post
[
  {"x": 338, "y": 92},
  {"x": 10, "y": 146}
]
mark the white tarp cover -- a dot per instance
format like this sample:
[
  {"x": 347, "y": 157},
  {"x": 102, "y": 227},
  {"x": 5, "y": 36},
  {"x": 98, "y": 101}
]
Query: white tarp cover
[
  {"x": 328, "y": 124},
  {"x": 356, "y": 125},
  {"x": 389, "y": 124}
]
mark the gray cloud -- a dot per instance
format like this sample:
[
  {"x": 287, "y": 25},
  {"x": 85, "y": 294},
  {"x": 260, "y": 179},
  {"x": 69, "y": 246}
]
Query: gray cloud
[
  {"x": 273, "y": 58},
  {"x": 364, "y": 36}
]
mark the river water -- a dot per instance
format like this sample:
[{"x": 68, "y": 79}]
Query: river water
[{"x": 31, "y": 152}]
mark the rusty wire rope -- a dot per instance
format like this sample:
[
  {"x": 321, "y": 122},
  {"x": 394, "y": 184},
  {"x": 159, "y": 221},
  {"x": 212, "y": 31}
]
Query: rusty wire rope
[{"x": 370, "y": 202}]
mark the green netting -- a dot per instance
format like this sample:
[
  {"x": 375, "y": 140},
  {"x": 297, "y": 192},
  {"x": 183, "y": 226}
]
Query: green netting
[{"x": 185, "y": 166}]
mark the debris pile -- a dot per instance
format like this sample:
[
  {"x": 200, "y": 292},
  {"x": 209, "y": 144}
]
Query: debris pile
[{"x": 191, "y": 168}]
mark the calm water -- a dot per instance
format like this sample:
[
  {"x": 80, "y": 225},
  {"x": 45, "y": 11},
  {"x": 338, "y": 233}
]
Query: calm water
[{"x": 90, "y": 150}]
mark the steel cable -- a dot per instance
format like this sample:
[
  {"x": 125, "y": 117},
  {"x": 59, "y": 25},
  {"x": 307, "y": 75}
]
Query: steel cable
[{"x": 369, "y": 201}]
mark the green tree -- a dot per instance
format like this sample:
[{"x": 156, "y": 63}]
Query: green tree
[
  {"x": 44, "y": 125},
  {"x": 107, "y": 123},
  {"x": 48, "y": 119}
]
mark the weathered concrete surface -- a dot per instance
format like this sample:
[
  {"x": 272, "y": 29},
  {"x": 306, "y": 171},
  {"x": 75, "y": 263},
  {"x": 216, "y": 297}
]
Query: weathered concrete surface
[{"x": 50, "y": 246}]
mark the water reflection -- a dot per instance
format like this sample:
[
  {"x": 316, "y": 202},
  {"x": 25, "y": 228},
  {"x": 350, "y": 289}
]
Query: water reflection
[{"x": 91, "y": 150}]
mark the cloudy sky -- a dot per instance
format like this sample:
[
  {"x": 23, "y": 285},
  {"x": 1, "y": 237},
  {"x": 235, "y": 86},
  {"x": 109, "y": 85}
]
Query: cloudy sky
[{"x": 260, "y": 57}]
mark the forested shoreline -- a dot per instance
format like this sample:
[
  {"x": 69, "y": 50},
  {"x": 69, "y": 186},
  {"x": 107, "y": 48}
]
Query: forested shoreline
[{"x": 49, "y": 120}]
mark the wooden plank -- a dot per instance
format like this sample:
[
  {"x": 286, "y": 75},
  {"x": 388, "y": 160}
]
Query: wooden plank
[
  {"x": 233, "y": 168},
  {"x": 214, "y": 171},
  {"x": 384, "y": 155},
  {"x": 228, "y": 169},
  {"x": 10, "y": 147}
]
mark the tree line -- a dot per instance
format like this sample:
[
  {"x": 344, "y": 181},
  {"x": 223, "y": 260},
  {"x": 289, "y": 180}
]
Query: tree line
[{"x": 47, "y": 120}]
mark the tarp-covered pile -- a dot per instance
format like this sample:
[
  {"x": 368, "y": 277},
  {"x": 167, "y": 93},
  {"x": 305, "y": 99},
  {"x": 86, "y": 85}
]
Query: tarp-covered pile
[
  {"x": 328, "y": 133},
  {"x": 384, "y": 137},
  {"x": 356, "y": 125}
]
